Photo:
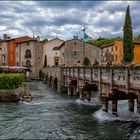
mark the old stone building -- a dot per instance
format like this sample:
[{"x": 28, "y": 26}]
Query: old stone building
[
  {"x": 74, "y": 51},
  {"x": 51, "y": 52},
  {"x": 29, "y": 54},
  {"x": 107, "y": 54}
]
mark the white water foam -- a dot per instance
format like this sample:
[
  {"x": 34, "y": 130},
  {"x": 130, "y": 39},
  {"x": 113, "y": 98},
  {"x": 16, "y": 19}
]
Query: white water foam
[
  {"x": 93, "y": 102},
  {"x": 32, "y": 103},
  {"x": 122, "y": 116}
]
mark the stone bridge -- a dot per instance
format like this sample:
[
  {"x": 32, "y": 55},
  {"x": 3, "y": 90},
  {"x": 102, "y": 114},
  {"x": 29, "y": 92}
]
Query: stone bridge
[{"x": 113, "y": 84}]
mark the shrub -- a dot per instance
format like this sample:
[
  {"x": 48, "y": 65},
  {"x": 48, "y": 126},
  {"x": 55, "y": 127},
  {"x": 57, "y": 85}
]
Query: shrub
[
  {"x": 46, "y": 79},
  {"x": 86, "y": 61},
  {"x": 41, "y": 75},
  {"x": 11, "y": 81},
  {"x": 63, "y": 88}
]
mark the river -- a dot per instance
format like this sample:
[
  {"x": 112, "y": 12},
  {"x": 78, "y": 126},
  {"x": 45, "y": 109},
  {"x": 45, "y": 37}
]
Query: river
[{"x": 57, "y": 116}]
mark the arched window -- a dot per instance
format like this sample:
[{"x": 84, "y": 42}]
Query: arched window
[
  {"x": 28, "y": 63},
  {"x": 28, "y": 54}
]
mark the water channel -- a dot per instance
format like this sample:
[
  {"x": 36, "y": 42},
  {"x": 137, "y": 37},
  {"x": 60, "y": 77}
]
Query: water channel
[{"x": 52, "y": 115}]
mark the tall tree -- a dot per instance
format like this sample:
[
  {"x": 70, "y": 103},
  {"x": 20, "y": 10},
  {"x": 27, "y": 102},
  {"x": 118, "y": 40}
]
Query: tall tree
[
  {"x": 128, "y": 48},
  {"x": 45, "y": 61}
]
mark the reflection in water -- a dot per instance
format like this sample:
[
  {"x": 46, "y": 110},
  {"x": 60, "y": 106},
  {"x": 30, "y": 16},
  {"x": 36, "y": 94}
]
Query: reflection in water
[{"x": 54, "y": 116}]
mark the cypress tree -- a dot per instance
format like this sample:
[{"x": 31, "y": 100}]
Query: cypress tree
[
  {"x": 45, "y": 61},
  {"x": 128, "y": 53}
]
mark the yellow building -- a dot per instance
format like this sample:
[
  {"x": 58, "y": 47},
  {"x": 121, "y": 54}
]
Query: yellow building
[
  {"x": 118, "y": 51},
  {"x": 136, "y": 52}
]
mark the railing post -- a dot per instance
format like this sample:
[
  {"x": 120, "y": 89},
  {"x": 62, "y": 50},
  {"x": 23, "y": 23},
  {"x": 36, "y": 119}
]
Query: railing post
[
  {"x": 100, "y": 79},
  {"x": 111, "y": 79},
  {"x": 84, "y": 73},
  {"x": 91, "y": 74},
  {"x": 69, "y": 71},
  {"x": 66, "y": 71},
  {"x": 127, "y": 79},
  {"x": 73, "y": 73},
  {"x": 78, "y": 76}
]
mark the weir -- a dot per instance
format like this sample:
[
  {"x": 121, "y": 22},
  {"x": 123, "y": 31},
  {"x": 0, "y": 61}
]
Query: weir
[{"x": 113, "y": 83}]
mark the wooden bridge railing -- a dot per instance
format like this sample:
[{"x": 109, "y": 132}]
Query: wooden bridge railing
[{"x": 122, "y": 76}]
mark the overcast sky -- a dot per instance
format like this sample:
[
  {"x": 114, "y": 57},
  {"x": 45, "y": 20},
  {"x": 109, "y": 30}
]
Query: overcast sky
[{"x": 65, "y": 19}]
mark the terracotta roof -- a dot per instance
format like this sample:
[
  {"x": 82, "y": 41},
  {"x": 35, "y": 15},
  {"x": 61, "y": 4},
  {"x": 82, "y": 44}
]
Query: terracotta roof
[
  {"x": 26, "y": 40},
  {"x": 23, "y": 38},
  {"x": 136, "y": 42},
  {"x": 107, "y": 45}
]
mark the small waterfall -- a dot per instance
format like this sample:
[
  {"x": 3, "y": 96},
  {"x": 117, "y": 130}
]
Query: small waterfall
[{"x": 122, "y": 115}]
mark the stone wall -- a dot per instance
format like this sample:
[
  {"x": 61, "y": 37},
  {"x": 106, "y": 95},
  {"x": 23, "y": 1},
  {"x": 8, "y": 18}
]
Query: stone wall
[{"x": 13, "y": 95}]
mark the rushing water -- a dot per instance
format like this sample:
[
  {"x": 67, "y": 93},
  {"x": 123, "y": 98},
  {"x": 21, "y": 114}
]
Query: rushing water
[{"x": 54, "y": 116}]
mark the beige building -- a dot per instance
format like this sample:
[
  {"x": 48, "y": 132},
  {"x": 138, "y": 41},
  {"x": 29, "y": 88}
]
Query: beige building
[
  {"x": 107, "y": 54},
  {"x": 4, "y": 54},
  {"x": 29, "y": 53},
  {"x": 51, "y": 52},
  {"x": 75, "y": 50}
]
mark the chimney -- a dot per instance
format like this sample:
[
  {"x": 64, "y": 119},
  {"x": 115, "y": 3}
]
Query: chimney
[
  {"x": 38, "y": 38},
  {"x": 5, "y": 36},
  {"x": 8, "y": 37}
]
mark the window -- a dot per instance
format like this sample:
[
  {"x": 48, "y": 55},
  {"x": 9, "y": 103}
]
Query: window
[
  {"x": 75, "y": 53},
  {"x": 28, "y": 43},
  {"x": 28, "y": 54},
  {"x": 28, "y": 63},
  {"x": 62, "y": 53},
  {"x": 11, "y": 57},
  {"x": 3, "y": 59}
]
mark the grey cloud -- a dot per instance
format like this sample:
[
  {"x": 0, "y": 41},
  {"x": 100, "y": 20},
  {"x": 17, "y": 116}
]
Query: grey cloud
[
  {"x": 70, "y": 4},
  {"x": 28, "y": 16}
]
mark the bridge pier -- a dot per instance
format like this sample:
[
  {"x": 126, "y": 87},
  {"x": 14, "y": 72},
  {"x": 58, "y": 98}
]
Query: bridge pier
[
  {"x": 114, "y": 106},
  {"x": 81, "y": 93},
  {"x": 104, "y": 101},
  {"x": 131, "y": 105},
  {"x": 138, "y": 103},
  {"x": 105, "y": 106},
  {"x": 88, "y": 95},
  {"x": 70, "y": 90}
]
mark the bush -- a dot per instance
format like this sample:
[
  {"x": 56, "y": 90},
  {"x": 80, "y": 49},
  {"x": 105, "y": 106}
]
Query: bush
[
  {"x": 46, "y": 79},
  {"x": 41, "y": 75},
  {"x": 63, "y": 88},
  {"x": 86, "y": 61},
  {"x": 11, "y": 81}
]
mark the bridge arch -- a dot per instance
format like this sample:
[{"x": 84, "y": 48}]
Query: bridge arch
[{"x": 55, "y": 83}]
